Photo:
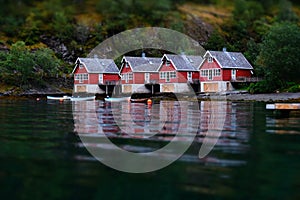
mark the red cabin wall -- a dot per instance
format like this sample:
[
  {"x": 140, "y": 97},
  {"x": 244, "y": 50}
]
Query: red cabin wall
[
  {"x": 243, "y": 73},
  {"x": 169, "y": 68},
  {"x": 111, "y": 77},
  {"x": 80, "y": 70},
  {"x": 213, "y": 65},
  {"x": 182, "y": 77},
  {"x": 126, "y": 69},
  {"x": 226, "y": 74},
  {"x": 196, "y": 75},
  {"x": 154, "y": 77},
  {"x": 93, "y": 78},
  {"x": 139, "y": 78}
]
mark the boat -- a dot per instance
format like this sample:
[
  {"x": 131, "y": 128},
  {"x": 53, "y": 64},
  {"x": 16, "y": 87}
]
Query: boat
[
  {"x": 117, "y": 99},
  {"x": 58, "y": 98},
  {"x": 142, "y": 100},
  {"x": 83, "y": 98}
]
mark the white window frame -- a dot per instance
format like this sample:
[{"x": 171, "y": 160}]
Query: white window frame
[
  {"x": 210, "y": 59},
  {"x": 81, "y": 77},
  {"x": 168, "y": 76},
  {"x": 147, "y": 77},
  {"x": 233, "y": 74},
  {"x": 189, "y": 76},
  {"x": 210, "y": 74},
  {"x": 101, "y": 76},
  {"x": 168, "y": 63},
  {"x": 173, "y": 74}
]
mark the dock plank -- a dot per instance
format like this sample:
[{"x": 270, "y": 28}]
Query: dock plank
[{"x": 283, "y": 106}]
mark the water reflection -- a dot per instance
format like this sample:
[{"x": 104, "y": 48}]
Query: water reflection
[
  {"x": 285, "y": 125},
  {"x": 223, "y": 124}
]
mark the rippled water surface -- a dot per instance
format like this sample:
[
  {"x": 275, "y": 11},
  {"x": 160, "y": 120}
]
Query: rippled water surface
[{"x": 256, "y": 155}]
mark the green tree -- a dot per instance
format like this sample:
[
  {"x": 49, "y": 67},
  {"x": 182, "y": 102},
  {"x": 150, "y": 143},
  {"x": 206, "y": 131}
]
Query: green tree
[
  {"x": 279, "y": 54},
  {"x": 45, "y": 63},
  {"x": 20, "y": 63},
  {"x": 286, "y": 14},
  {"x": 21, "y": 67}
]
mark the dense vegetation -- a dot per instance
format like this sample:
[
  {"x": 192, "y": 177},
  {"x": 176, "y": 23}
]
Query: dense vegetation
[{"x": 43, "y": 38}]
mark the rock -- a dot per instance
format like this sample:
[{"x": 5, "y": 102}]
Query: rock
[{"x": 59, "y": 48}]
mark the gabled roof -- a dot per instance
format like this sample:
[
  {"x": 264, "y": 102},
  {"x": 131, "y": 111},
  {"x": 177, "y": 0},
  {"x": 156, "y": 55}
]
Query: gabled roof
[
  {"x": 142, "y": 64},
  {"x": 97, "y": 65},
  {"x": 230, "y": 60},
  {"x": 184, "y": 62}
]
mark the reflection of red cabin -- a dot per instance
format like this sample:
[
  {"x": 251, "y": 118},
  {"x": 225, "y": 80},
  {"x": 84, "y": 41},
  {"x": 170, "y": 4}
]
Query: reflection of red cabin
[
  {"x": 220, "y": 68},
  {"x": 89, "y": 73}
]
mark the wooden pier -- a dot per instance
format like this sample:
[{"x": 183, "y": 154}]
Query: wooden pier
[
  {"x": 283, "y": 109},
  {"x": 283, "y": 106}
]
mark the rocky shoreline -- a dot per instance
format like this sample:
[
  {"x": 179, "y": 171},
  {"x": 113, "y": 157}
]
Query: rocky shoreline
[
  {"x": 231, "y": 96},
  {"x": 266, "y": 97}
]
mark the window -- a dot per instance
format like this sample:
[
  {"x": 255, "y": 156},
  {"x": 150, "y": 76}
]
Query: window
[
  {"x": 204, "y": 72},
  {"x": 162, "y": 75},
  {"x": 130, "y": 76},
  {"x": 81, "y": 77},
  {"x": 80, "y": 66},
  {"x": 210, "y": 59},
  {"x": 173, "y": 74},
  {"x": 147, "y": 77},
  {"x": 101, "y": 78},
  {"x": 167, "y": 63},
  {"x": 210, "y": 74},
  {"x": 127, "y": 77},
  {"x": 189, "y": 76},
  {"x": 167, "y": 75}
]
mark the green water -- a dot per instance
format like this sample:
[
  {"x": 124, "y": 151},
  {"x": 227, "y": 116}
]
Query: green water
[{"x": 41, "y": 156}]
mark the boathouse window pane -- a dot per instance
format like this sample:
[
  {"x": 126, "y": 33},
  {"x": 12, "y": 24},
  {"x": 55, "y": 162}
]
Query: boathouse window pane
[
  {"x": 130, "y": 76},
  {"x": 167, "y": 63},
  {"x": 210, "y": 59},
  {"x": 173, "y": 74},
  {"x": 162, "y": 75}
]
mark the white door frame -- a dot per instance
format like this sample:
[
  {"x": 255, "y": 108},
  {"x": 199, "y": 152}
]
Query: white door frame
[
  {"x": 189, "y": 76},
  {"x": 101, "y": 78},
  {"x": 147, "y": 77},
  {"x": 233, "y": 74}
]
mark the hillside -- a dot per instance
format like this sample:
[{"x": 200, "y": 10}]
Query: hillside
[{"x": 71, "y": 28}]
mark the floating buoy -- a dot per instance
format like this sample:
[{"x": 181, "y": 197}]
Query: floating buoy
[
  {"x": 149, "y": 101},
  {"x": 38, "y": 99}
]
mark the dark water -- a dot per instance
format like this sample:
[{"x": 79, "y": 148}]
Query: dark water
[{"x": 41, "y": 155}]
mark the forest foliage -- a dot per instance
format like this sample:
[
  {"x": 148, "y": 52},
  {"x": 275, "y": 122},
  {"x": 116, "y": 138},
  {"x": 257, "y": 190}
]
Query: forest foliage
[{"x": 266, "y": 31}]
